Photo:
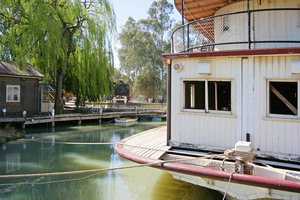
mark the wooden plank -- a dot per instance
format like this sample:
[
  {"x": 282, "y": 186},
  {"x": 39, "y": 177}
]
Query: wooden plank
[
  {"x": 16, "y": 119},
  {"x": 154, "y": 138}
]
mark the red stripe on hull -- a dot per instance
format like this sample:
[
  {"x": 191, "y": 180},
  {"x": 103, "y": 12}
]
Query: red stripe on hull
[{"x": 285, "y": 185}]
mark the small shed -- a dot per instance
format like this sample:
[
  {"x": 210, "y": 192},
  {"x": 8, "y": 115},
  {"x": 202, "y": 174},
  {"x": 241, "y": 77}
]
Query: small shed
[{"x": 19, "y": 89}]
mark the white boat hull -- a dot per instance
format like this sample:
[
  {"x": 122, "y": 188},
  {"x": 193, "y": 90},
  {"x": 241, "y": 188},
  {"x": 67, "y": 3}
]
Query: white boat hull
[
  {"x": 125, "y": 120},
  {"x": 235, "y": 190}
]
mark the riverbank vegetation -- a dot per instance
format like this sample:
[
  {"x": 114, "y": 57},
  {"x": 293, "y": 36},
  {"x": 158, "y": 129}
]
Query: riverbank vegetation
[{"x": 9, "y": 133}]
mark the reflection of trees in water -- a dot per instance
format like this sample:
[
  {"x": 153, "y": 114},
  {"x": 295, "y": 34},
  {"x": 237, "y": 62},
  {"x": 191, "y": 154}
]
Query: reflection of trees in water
[
  {"x": 168, "y": 187},
  {"x": 51, "y": 157}
]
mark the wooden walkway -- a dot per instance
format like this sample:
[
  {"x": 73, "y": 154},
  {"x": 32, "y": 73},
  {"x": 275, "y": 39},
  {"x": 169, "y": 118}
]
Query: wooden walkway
[
  {"x": 148, "y": 141},
  {"x": 79, "y": 117}
]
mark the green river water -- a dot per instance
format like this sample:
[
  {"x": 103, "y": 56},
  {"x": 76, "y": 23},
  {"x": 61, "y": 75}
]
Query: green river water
[{"x": 145, "y": 183}]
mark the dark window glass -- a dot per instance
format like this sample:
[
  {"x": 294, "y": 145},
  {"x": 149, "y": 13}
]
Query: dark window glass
[
  {"x": 283, "y": 98},
  {"x": 194, "y": 94},
  {"x": 219, "y": 95}
]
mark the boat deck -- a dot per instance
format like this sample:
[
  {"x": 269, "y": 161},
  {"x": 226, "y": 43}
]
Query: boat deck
[{"x": 151, "y": 143}]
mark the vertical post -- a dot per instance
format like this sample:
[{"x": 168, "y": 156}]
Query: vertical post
[
  {"x": 182, "y": 14},
  {"x": 182, "y": 22},
  {"x": 169, "y": 103},
  {"x": 206, "y": 96},
  {"x": 187, "y": 37},
  {"x": 249, "y": 25},
  {"x": 216, "y": 96}
]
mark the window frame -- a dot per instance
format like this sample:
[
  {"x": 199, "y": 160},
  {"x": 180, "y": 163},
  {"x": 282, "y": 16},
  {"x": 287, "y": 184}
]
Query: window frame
[
  {"x": 7, "y": 93},
  {"x": 282, "y": 116},
  {"x": 206, "y": 109}
]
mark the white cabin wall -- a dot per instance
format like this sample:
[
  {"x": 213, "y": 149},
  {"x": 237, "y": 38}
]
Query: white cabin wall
[
  {"x": 247, "y": 86},
  {"x": 273, "y": 135},
  {"x": 269, "y": 135},
  {"x": 211, "y": 131},
  {"x": 275, "y": 25}
]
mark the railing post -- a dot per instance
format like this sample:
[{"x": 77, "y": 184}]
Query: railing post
[
  {"x": 182, "y": 22},
  {"x": 187, "y": 37},
  {"x": 249, "y": 25},
  {"x": 172, "y": 43}
]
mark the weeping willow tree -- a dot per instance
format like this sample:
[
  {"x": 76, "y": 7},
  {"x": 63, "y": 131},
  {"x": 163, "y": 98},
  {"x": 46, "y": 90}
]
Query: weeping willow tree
[{"x": 67, "y": 40}]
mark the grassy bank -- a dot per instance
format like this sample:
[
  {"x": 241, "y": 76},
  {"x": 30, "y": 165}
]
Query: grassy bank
[{"x": 9, "y": 133}]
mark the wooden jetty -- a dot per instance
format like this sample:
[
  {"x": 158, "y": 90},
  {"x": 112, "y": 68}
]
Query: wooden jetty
[{"x": 79, "y": 117}]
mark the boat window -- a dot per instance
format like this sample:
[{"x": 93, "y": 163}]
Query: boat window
[
  {"x": 194, "y": 94},
  {"x": 219, "y": 95},
  {"x": 283, "y": 98},
  {"x": 225, "y": 23},
  {"x": 12, "y": 93}
]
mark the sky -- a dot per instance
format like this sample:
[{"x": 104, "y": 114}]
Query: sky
[{"x": 137, "y": 9}]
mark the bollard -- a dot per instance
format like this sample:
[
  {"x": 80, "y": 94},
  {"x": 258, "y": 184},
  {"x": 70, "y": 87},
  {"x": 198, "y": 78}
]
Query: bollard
[
  {"x": 4, "y": 112},
  {"x": 24, "y": 114}
]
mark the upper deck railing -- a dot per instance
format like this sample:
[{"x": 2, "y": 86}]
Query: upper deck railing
[{"x": 252, "y": 29}]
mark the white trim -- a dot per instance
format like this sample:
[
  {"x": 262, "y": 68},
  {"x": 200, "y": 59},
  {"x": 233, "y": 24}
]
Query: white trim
[
  {"x": 222, "y": 115},
  {"x": 206, "y": 96},
  {"x": 295, "y": 120},
  {"x": 12, "y": 100},
  {"x": 187, "y": 110}
]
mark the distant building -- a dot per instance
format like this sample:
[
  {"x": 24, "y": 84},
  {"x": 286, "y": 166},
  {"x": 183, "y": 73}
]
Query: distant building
[{"x": 19, "y": 89}]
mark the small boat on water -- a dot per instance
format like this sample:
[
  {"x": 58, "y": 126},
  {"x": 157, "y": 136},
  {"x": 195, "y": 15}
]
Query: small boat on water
[
  {"x": 125, "y": 120},
  {"x": 233, "y": 121}
]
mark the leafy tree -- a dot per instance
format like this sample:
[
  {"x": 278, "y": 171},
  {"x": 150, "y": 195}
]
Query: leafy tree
[
  {"x": 160, "y": 23},
  {"x": 68, "y": 40},
  {"x": 143, "y": 42},
  {"x": 146, "y": 82}
]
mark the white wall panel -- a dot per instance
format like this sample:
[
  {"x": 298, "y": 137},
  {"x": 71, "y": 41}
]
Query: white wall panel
[
  {"x": 202, "y": 129},
  {"x": 273, "y": 135}
]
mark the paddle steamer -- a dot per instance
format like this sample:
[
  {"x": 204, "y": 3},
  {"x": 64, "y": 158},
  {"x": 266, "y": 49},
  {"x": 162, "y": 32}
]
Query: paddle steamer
[{"x": 233, "y": 98}]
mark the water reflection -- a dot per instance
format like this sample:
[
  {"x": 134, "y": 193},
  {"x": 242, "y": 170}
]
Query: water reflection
[{"x": 20, "y": 157}]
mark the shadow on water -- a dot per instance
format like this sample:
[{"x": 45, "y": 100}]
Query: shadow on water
[{"x": 167, "y": 187}]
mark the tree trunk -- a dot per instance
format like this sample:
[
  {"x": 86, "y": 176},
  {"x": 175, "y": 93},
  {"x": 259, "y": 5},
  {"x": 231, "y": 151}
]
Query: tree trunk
[{"x": 59, "y": 95}]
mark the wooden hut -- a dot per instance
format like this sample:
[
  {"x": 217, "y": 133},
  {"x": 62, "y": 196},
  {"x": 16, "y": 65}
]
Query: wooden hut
[{"x": 19, "y": 89}]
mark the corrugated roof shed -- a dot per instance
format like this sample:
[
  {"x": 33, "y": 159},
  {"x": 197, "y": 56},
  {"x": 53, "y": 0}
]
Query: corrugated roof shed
[{"x": 8, "y": 68}]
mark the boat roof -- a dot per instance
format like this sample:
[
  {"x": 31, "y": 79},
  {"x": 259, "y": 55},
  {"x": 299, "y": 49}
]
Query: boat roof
[
  {"x": 197, "y": 9},
  {"x": 10, "y": 69}
]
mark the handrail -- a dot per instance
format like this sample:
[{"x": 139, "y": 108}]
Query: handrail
[
  {"x": 51, "y": 87},
  {"x": 211, "y": 32}
]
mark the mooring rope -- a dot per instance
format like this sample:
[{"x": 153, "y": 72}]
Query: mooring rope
[
  {"x": 114, "y": 143},
  {"x": 102, "y": 170},
  {"x": 71, "y": 143},
  {"x": 228, "y": 185},
  {"x": 49, "y": 182}
]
